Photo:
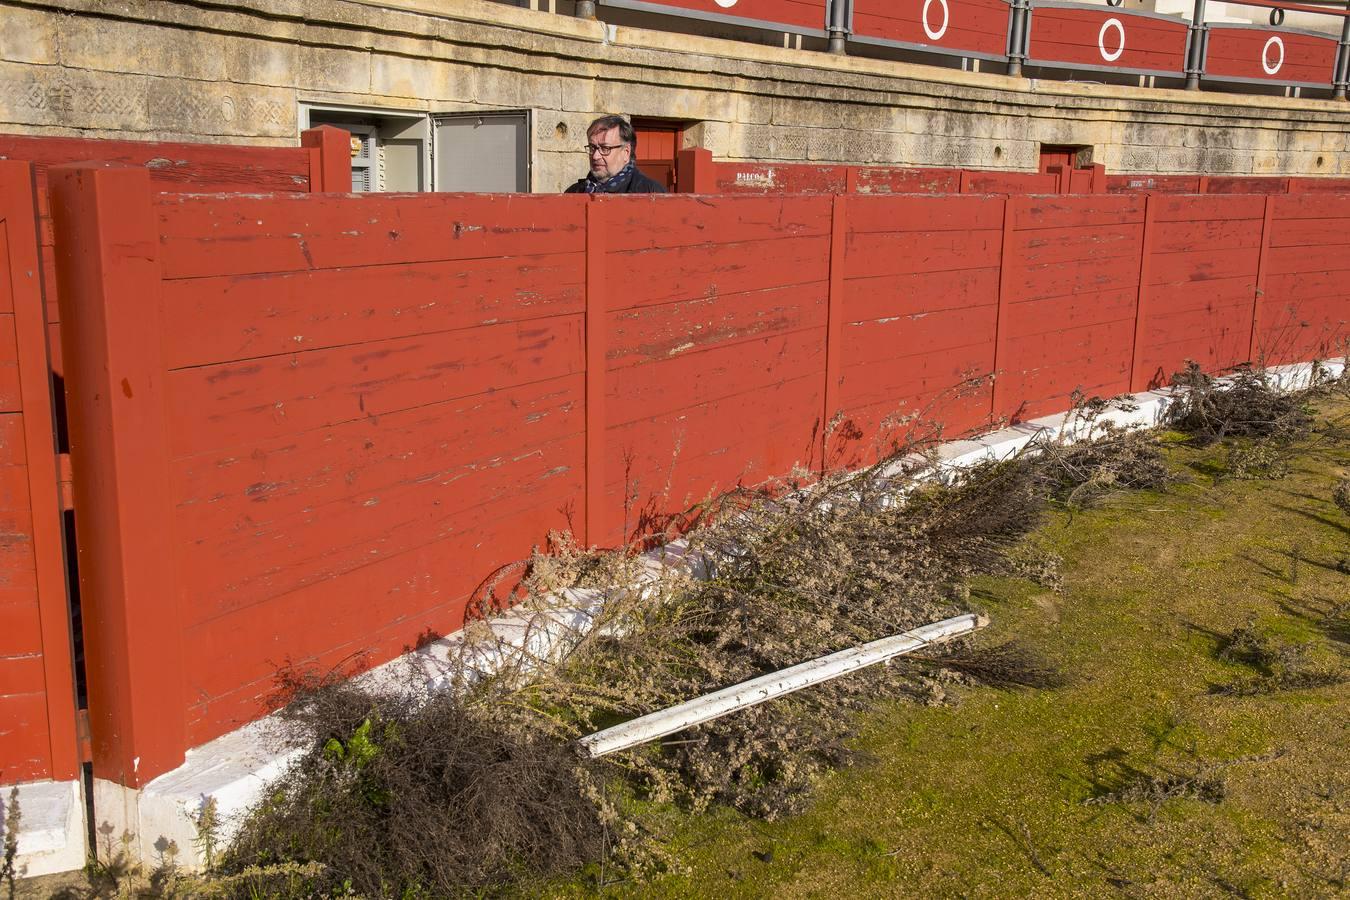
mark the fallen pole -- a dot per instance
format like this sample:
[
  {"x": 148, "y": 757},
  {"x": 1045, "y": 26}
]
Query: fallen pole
[{"x": 767, "y": 687}]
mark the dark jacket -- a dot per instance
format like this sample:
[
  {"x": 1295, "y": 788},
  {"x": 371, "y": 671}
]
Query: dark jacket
[{"x": 632, "y": 183}]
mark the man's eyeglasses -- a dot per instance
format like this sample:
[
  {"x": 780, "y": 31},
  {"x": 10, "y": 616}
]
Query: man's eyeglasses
[{"x": 602, "y": 149}]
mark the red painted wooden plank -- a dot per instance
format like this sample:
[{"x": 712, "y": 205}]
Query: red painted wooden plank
[
  {"x": 907, "y": 253},
  {"x": 1070, "y": 244},
  {"x": 1288, "y": 260},
  {"x": 890, "y": 180},
  {"x": 1184, "y": 295},
  {"x": 596, "y": 348},
  {"x": 1246, "y": 184},
  {"x": 1112, "y": 39},
  {"x": 239, "y": 317},
  {"x": 1269, "y": 54},
  {"x": 807, "y": 14},
  {"x": 779, "y": 178},
  {"x": 1209, "y": 207},
  {"x": 23, "y": 736},
  {"x": 949, "y": 26},
  {"x": 1309, "y": 232},
  {"x": 977, "y": 182},
  {"x": 241, "y": 235},
  {"x": 20, "y": 628},
  {"x": 661, "y": 465},
  {"x": 664, "y": 222},
  {"x": 638, "y": 392},
  {"x": 894, "y": 338},
  {"x": 1199, "y": 265},
  {"x": 470, "y": 443},
  {"x": 899, "y": 295},
  {"x": 1310, "y": 206},
  {"x": 834, "y": 340},
  {"x": 235, "y": 404},
  {"x": 13, "y": 450},
  {"x": 905, "y": 213},
  {"x": 1074, "y": 278},
  {"x": 1202, "y": 235},
  {"x": 1094, "y": 211},
  {"x": 1055, "y": 314},
  {"x": 651, "y": 333},
  {"x": 109, "y": 274},
  {"x": 173, "y": 166},
  {"x": 1165, "y": 184},
  {"x": 654, "y": 277},
  {"x": 326, "y": 541},
  {"x": 9, "y": 363},
  {"x": 927, "y": 374}
]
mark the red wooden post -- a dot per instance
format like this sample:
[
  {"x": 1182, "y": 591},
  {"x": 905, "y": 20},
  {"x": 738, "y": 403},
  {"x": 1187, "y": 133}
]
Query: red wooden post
[
  {"x": 1098, "y": 178},
  {"x": 851, "y": 180},
  {"x": 695, "y": 172},
  {"x": 1005, "y": 267},
  {"x": 1259, "y": 296},
  {"x": 107, "y": 263},
  {"x": 19, "y": 243},
  {"x": 330, "y": 159},
  {"x": 834, "y": 322},
  {"x": 1202, "y": 185},
  {"x": 595, "y": 371},
  {"x": 1138, "y": 379},
  {"x": 962, "y": 181}
]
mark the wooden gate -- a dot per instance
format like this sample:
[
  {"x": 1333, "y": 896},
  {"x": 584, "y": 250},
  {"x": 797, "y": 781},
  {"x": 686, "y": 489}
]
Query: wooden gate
[{"x": 37, "y": 685}]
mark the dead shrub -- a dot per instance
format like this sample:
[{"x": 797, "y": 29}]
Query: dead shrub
[
  {"x": 1340, "y": 495},
  {"x": 1247, "y": 404},
  {"x": 1278, "y": 665},
  {"x": 1204, "y": 781},
  {"x": 403, "y": 796}
]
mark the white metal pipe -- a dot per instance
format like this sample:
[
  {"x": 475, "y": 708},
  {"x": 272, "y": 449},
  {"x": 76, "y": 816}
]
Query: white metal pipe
[{"x": 775, "y": 684}]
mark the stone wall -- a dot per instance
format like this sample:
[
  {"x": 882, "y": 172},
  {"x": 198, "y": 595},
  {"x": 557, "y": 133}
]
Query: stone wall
[{"x": 190, "y": 71}]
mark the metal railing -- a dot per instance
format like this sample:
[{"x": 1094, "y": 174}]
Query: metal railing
[{"x": 1054, "y": 35}]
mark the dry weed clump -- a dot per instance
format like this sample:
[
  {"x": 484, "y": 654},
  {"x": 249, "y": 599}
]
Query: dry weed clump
[
  {"x": 1247, "y": 404},
  {"x": 400, "y": 795},
  {"x": 1205, "y": 781},
  {"x": 400, "y": 792},
  {"x": 1278, "y": 665},
  {"x": 1340, "y": 495}
]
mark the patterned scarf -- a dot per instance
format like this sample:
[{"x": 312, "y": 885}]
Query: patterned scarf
[{"x": 602, "y": 187}]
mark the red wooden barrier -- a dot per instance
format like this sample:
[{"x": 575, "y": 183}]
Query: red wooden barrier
[
  {"x": 963, "y": 27},
  {"x": 376, "y": 402},
  {"x": 37, "y": 685},
  {"x": 806, "y": 16},
  {"x": 1093, "y": 37},
  {"x": 38, "y": 691},
  {"x": 1258, "y": 53}
]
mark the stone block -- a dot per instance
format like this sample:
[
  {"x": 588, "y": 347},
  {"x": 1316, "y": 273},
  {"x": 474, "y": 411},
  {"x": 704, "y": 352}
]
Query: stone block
[
  {"x": 270, "y": 63},
  {"x": 331, "y": 71},
  {"x": 109, "y": 45},
  {"x": 70, "y": 98},
  {"x": 29, "y": 36}
]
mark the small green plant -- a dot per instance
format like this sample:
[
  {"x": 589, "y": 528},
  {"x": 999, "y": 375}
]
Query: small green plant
[{"x": 207, "y": 839}]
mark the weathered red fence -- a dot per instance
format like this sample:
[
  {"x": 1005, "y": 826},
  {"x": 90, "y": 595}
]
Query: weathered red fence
[
  {"x": 37, "y": 685},
  {"x": 698, "y": 169},
  {"x": 310, "y": 427}
]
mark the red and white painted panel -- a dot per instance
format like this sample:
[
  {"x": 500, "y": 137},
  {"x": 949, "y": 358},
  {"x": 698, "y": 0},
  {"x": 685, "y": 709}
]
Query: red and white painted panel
[
  {"x": 966, "y": 27},
  {"x": 1100, "y": 37},
  {"x": 790, "y": 15},
  {"x": 1269, "y": 54}
]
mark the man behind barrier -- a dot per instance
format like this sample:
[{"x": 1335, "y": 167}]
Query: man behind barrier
[{"x": 610, "y": 145}]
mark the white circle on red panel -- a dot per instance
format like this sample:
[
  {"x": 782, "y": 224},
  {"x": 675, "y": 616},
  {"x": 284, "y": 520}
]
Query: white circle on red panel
[
  {"x": 725, "y": 4},
  {"x": 1111, "y": 56},
  {"x": 1265, "y": 55},
  {"x": 935, "y": 34}
]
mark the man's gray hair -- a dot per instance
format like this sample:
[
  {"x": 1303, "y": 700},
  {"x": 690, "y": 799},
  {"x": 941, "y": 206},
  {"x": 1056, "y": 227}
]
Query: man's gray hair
[{"x": 605, "y": 123}]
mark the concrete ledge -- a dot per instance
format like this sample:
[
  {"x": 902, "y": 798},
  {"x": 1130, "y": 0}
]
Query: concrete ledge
[
  {"x": 235, "y": 768},
  {"x": 52, "y": 832}
]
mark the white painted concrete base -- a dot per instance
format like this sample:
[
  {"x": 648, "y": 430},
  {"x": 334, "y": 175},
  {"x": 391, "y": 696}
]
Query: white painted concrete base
[
  {"x": 52, "y": 833},
  {"x": 236, "y": 767}
]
